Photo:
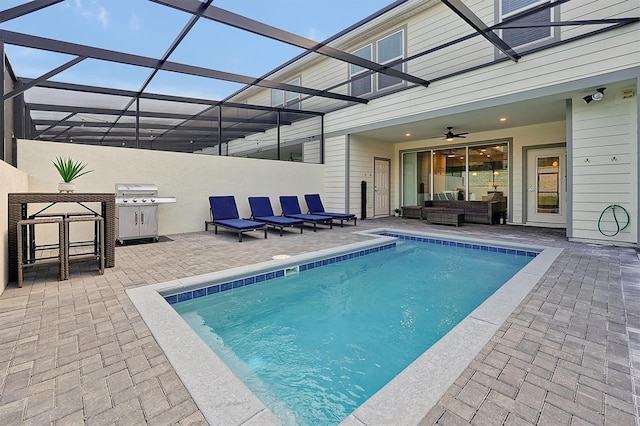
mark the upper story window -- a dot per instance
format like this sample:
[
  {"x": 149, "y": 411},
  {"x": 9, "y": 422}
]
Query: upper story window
[
  {"x": 383, "y": 51},
  {"x": 523, "y": 37},
  {"x": 363, "y": 84},
  {"x": 390, "y": 49},
  {"x": 283, "y": 99}
]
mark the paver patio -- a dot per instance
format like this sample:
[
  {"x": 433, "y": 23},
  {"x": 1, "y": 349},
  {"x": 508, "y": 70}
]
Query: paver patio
[{"x": 76, "y": 351}]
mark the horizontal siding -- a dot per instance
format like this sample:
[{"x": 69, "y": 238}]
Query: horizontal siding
[
  {"x": 605, "y": 166},
  {"x": 435, "y": 25},
  {"x": 605, "y": 135},
  {"x": 607, "y": 52},
  {"x": 362, "y": 155},
  {"x": 439, "y": 26},
  {"x": 335, "y": 174}
]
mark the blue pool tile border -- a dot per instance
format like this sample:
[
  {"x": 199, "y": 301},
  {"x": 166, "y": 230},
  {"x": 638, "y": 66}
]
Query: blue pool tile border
[
  {"x": 242, "y": 282},
  {"x": 473, "y": 246}
]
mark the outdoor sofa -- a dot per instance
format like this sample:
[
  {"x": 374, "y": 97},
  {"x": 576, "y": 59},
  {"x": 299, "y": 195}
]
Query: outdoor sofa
[{"x": 449, "y": 211}]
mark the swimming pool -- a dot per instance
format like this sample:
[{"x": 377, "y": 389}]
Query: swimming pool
[
  {"x": 411, "y": 393},
  {"x": 315, "y": 345}
]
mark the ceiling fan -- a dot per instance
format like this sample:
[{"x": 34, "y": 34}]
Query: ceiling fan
[{"x": 450, "y": 135}]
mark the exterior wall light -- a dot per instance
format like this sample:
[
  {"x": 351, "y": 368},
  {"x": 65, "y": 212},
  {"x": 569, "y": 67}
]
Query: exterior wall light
[{"x": 596, "y": 96}]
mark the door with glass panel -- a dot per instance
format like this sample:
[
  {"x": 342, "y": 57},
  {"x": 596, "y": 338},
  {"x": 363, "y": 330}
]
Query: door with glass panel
[{"x": 546, "y": 187}]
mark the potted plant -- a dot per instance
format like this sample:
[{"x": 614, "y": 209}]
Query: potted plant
[
  {"x": 397, "y": 212},
  {"x": 69, "y": 170}
]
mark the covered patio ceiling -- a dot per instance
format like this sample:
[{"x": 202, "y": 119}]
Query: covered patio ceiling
[{"x": 59, "y": 109}]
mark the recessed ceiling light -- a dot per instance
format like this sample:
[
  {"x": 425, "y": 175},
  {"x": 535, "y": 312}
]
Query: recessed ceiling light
[
  {"x": 488, "y": 156},
  {"x": 503, "y": 119},
  {"x": 407, "y": 134}
]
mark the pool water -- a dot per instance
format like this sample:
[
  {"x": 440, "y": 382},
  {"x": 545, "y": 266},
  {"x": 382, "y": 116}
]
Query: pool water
[{"x": 315, "y": 345}]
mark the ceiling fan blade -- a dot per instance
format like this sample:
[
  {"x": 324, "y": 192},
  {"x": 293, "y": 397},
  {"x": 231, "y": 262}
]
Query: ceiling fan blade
[{"x": 460, "y": 134}]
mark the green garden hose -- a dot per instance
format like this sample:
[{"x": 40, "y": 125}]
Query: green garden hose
[{"x": 613, "y": 208}]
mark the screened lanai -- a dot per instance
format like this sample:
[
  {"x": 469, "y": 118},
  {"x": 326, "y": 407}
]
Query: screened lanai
[{"x": 79, "y": 98}]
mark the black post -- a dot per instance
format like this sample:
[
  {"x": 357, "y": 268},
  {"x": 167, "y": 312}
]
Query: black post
[{"x": 363, "y": 200}]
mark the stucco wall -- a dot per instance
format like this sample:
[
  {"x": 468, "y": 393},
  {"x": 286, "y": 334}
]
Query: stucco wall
[
  {"x": 11, "y": 180},
  {"x": 191, "y": 178}
]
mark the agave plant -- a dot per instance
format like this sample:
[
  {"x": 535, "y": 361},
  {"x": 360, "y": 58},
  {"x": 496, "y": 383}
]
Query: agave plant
[{"x": 69, "y": 169}]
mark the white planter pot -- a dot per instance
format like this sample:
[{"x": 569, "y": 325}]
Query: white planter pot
[{"x": 66, "y": 186}]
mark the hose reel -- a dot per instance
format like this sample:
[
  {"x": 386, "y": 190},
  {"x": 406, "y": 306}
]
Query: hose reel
[{"x": 614, "y": 208}]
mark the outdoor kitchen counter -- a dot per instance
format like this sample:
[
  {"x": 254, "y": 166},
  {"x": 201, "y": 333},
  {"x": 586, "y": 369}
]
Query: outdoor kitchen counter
[{"x": 18, "y": 210}]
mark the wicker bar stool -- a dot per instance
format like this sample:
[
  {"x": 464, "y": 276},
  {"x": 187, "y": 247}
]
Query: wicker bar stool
[
  {"x": 98, "y": 241},
  {"x": 30, "y": 260}
]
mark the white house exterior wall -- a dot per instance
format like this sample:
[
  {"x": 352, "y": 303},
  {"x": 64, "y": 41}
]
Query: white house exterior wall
[
  {"x": 335, "y": 174},
  {"x": 616, "y": 50},
  {"x": 605, "y": 167},
  {"x": 436, "y": 25},
  {"x": 363, "y": 152},
  {"x": 564, "y": 69}
]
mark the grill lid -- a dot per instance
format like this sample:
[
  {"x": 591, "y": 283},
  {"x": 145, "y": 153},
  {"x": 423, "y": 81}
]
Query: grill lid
[
  {"x": 130, "y": 190},
  {"x": 127, "y": 194}
]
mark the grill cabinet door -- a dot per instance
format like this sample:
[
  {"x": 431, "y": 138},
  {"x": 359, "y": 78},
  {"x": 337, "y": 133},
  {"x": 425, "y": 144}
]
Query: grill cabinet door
[
  {"x": 148, "y": 220},
  {"x": 128, "y": 221}
]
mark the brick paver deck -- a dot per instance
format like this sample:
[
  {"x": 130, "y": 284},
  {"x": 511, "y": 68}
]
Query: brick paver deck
[{"x": 76, "y": 351}]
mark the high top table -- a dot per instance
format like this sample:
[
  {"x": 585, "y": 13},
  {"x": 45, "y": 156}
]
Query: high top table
[{"x": 18, "y": 210}]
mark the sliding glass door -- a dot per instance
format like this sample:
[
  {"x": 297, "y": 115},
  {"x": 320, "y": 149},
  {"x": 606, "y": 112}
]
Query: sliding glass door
[
  {"x": 478, "y": 172},
  {"x": 416, "y": 178}
]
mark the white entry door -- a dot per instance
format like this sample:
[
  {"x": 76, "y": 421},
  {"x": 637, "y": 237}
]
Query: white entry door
[
  {"x": 546, "y": 187},
  {"x": 381, "y": 190}
]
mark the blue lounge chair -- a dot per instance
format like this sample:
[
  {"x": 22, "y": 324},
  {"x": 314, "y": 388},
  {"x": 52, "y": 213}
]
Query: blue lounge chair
[
  {"x": 315, "y": 207},
  {"x": 224, "y": 212},
  {"x": 262, "y": 212},
  {"x": 291, "y": 208}
]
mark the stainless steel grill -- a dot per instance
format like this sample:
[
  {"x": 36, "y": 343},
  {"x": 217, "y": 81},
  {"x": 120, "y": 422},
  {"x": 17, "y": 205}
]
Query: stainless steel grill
[{"x": 138, "y": 211}]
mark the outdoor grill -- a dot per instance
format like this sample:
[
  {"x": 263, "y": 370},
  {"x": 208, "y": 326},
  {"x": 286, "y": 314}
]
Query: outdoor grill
[{"x": 137, "y": 215}]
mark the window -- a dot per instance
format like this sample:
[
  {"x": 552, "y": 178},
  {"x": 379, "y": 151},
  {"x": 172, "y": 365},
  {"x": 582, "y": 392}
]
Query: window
[
  {"x": 363, "y": 84},
  {"x": 519, "y": 37},
  {"x": 390, "y": 49},
  {"x": 283, "y": 99},
  {"x": 387, "y": 49}
]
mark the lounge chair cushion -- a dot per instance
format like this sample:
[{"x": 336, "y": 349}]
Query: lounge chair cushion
[
  {"x": 291, "y": 208},
  {"x": 223, "y": 207},
  {"x": 261, "y": 210},
  {"x": 224, "y": 212},
  {"x": 239, "y": 223},
  {"x": 315, "y": 207}
]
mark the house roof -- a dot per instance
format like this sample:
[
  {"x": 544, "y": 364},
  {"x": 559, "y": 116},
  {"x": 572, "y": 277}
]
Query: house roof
[{"x": 61, "y": 110}]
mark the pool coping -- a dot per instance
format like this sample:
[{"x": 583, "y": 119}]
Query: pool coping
[{"x": 224, "y": 399}]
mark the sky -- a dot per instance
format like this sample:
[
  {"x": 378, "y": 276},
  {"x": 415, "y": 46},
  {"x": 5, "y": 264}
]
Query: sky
[{"x": 145, "y": 28}]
